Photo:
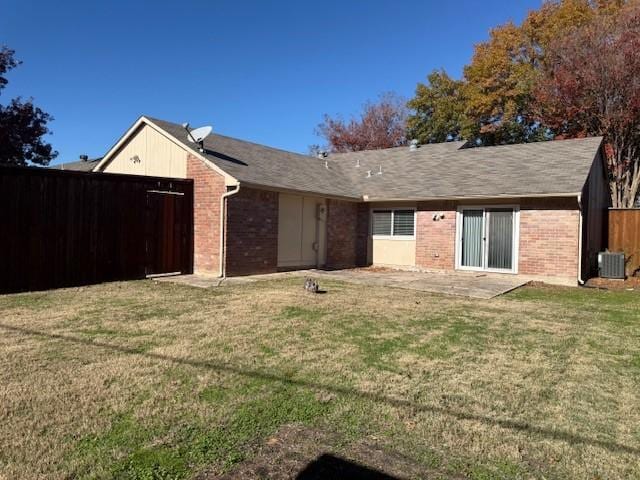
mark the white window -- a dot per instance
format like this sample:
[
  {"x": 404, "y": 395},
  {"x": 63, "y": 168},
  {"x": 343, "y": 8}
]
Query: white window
[{"x": 398, "y": 223}]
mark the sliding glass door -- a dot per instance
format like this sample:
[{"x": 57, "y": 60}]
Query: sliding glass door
[
  {"x": 487, "y": 238},
  {"x": 472, "y": 238},
  {"x": 500, "y": 239}
]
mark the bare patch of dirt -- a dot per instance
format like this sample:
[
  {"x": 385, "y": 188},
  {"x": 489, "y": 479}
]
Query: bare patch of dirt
[
  {"x": 373, "y": 269},
  {"x": 303, "y": 453},
  {"x": 630, "y": 283}
]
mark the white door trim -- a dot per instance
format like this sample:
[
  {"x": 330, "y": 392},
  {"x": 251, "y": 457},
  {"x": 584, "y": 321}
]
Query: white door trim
[{"x": 515, "y": 238}]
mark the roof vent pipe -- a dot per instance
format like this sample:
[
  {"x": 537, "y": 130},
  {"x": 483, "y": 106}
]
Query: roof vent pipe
[
  {"x": 84, "y": 158},
  {"x": 379, "y": 170},
  {"x": 368, "y": 173},
  {"x": 357, "y": 162},
  {"x": 413, "y": 145}
]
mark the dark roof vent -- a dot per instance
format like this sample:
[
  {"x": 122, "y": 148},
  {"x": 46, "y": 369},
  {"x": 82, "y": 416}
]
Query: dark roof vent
[{"x": 84, "y": 158}]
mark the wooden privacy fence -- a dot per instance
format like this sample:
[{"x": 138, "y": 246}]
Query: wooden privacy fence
[
  {"x": 62, "y": 228},
  {"x": 624, "y": 236}
]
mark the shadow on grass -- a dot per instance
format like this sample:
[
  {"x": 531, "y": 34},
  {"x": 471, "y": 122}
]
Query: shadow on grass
[
  {"x": 568, "y": 437},
  {"x": 330, "y": 466}
]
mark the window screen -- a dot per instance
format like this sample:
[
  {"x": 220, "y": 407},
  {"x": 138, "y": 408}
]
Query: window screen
[
  {"x": 403, "y": 222},
  {"x": 382, "y": 222}
]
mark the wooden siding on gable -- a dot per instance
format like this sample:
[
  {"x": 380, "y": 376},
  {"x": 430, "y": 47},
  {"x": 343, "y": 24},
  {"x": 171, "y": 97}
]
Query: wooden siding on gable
[{"x": 150, "y": 153}]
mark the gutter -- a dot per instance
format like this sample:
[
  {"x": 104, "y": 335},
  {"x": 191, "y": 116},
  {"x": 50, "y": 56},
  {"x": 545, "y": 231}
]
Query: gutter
[
  {"x": 580, "y": 281},
  {"x": 308, "y": 193},
  {"x": 223, "y": 215},
  {"x": 368, "y": 199}
]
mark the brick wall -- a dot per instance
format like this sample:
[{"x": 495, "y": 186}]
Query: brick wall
[
  {"x": 251, "y": 240},
  {"x": 362, "y": 234},
  {"x": 549, "y": 238},
  {"x": 347, "y": 234},
  {"x": 208, "y": 186},
  {"x": 548, "y": 244},
  {"x": 435, "y": 240}
]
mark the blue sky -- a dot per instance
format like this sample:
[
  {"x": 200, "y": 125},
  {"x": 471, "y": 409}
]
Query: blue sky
[{"x": 264, "y": 71}]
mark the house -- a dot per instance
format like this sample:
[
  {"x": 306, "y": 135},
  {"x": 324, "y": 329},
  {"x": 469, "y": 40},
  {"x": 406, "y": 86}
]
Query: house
[{"x": 536, "y": 210}]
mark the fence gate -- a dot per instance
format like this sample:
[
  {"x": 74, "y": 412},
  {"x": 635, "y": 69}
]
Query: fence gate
[{"x": 167, "y": 238}]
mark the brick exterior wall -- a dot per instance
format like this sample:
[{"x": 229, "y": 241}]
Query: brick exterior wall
[
  {"x": 251, "y": 240},
  {"x": 549, "y": 238},
  {"x": 347, "y": 234},
  {"x": 548, "y": 231},
  {"x": 208, "y": 186},
  {"x": 362, "y": 235},
  {"x": 435, "y": 240},
  {"x": 548, "y": 244}
]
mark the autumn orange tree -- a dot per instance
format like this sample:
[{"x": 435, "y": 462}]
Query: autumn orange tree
[
  {"x": 496, "y": 92},
  {"x": 591, "y": 86}
]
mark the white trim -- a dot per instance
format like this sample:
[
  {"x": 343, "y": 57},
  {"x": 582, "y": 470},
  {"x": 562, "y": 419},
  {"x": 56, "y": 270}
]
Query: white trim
[
  {"x": 229, "y": 180},
  {"x": 580, "y": 228},
  {"x": 515, "y": 238},
  {"x": 392, "y": 236},
  {"x": 107, "y": 157}
]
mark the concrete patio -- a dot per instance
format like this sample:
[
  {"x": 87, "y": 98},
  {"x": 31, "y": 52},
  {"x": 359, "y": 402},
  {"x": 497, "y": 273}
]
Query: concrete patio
[{"x": 467, "y": 284}]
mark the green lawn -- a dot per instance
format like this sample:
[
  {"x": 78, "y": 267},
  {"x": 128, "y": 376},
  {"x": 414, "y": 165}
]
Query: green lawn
[{"x": 150, "y": 380}]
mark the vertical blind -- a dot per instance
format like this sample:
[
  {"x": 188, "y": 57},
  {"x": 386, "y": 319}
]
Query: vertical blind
[
  {"x": 393, "y": 223},
  {"x": 500, "y": 251},
  {"x": 472, "y": 233},
  {"x": 499, "y": 230}
]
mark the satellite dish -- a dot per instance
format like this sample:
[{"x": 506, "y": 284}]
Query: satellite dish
[{"x": 199, "y": 134}]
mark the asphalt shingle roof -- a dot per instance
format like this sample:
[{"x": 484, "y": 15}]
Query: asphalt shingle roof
[
  {"x": 448, "y": 171},
  {"x": 266, "y": 166},
  {"x": 79, "y": 166},
  {"x": 443, "y": 170}
]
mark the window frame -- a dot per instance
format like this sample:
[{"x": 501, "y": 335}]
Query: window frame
[
  {"x": 393, "y": 236},
  {"x": 515, "y": 239}
]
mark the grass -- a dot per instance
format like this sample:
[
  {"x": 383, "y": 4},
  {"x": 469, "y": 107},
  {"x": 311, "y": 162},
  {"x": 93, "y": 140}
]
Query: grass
[{"x": 144, "y": 380}]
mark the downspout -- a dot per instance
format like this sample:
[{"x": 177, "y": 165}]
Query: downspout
[
  {"x": 317, "y": 242},
  {"x": 580, "y": 281},
  {"x": 223, "y": 215}
]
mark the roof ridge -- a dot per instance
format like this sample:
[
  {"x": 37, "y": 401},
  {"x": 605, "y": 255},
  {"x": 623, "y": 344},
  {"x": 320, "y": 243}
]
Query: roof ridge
[
  {"x": 401, "y": 147},
  {"x": 536, "y": 142}
]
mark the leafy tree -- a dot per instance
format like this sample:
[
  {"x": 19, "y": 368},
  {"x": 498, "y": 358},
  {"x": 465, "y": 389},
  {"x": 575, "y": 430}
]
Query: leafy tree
[
  {"x": 22, "y": 125},
  {"x": 591, "y": 86},
  {"x": 439, "y": 109},
  {"x": 504, "y": 70},
  {"x": 381, "y": 125},
  {"x": 496, "y": 93}
]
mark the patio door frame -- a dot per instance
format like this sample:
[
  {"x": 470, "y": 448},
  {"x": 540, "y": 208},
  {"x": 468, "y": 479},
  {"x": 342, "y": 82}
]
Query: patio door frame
[{"x": 485, "y": 236}]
